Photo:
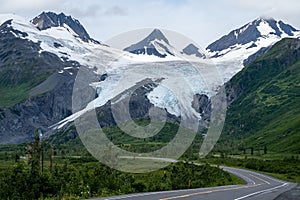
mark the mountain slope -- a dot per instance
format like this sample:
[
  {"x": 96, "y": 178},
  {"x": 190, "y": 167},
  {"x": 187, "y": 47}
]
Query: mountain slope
[
  {"x": 265, "y": 100},
  {"x": 25, "y": 102},
  {"x": 37, "y": 73}
]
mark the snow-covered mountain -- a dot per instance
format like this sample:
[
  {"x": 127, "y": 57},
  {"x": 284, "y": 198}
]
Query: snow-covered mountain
[
  {"x": 157, "y": 44},
  {"x": 154, "y": 44},
  {"x": 59, "y": 39},
  {"x": 149, "y": 73},
  {"x": 48, "y": 20},
  {"x": 260, "y": 32},
  {"x": 60, "y": 49},
  {"x": 44, "y": 63},
  {"x": 239, "y": 47}
]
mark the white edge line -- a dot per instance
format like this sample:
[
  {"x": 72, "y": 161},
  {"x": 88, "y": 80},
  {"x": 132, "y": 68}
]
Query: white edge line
[
  {"x": 161, "y": 192},
  {"x": 248, "y": 195}
]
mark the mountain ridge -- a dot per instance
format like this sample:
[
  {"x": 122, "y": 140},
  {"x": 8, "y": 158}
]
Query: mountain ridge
[
  {"x": 251, "y": 32},
  {"x": 48, "y": 20},
  {"x": 64, "y": 54},
  {"x": 157, "y": 44}
]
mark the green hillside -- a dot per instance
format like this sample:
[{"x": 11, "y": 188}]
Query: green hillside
[{"x": 266, "y": 109}]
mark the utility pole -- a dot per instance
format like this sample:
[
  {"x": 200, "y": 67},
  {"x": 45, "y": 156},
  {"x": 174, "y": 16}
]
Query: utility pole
[
  {"x": 28, "y": 153},
  {"x": 51, "y": 157},
  {"x": 42, "y": 156}
]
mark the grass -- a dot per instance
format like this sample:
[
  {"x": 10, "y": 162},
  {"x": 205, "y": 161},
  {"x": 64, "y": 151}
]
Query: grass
[
  {"x": 65, "y": 139},
  {"x": 12, "y": 94}
]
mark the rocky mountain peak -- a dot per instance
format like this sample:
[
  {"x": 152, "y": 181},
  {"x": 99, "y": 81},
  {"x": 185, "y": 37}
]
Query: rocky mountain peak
[
  {"x": 158, "y": 35},
  {"x": 50, "y": 19},
  {"x": 154, "y": 44},
  {"x": 251, "y": 32}
]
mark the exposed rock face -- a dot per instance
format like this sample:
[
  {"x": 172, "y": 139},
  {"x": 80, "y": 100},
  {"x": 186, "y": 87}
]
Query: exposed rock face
[
  {"x": 256, "y": 55},
  {"x": 32, "y": 76},
  {"x": 202, "y": 104},
  {"x": 191, "y": 49},
  {"x": 134, "y": 101},
  {"x": 49, "y": 19}
]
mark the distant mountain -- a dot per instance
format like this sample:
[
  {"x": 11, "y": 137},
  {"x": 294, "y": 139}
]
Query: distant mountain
[
  {"x": 158, "y": 45},
  {"x": 264, "y": 101},
  {"x": 50, "y": 19},
  {"x": 252, "y": 33},
  {"x": 232, "y": 52},
  {"x": 154, "y": 44}
]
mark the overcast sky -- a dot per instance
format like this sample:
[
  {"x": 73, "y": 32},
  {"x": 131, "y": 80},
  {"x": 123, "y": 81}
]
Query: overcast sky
[{"x": 202, "y": 21}]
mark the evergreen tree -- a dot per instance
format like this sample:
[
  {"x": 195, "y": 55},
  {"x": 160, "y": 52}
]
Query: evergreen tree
[
  {"x": 35, "y": 154},
  {"x": 265, "y": 149}
]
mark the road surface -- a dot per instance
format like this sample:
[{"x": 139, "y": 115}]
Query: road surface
[{"x": 258, "y": 186}]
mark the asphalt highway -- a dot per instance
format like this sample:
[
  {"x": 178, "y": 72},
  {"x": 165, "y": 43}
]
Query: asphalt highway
[{"x": 258, "y": 186}]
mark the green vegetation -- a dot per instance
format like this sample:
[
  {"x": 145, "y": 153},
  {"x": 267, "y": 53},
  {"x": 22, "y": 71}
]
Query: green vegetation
[
  {"x": 83, "y": 177},
  {"x": 262, "y": 128},
  {"x": 262, "y": 132},
  {"x": 13, "y": 94},
  {"x": 68, "y": 140},
  {"x": 92, "y": 179},
  {"x": 267, "y": 110}
]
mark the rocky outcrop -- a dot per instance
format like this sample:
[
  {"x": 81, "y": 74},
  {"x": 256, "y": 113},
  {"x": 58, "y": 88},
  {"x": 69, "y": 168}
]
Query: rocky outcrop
[{"x": 191, "y": 49}]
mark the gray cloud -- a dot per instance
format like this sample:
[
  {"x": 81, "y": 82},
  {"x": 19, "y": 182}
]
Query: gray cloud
[
  {"x": 89, "y": 11},
  {"x": 116, "y": 11},
  {"x": 93, "y": 10}
]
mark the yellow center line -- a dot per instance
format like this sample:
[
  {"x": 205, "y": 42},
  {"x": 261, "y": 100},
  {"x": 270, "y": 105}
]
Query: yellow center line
[
  {"x": 209, "y": 191},
  {"x": 260, "y": 179}
]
